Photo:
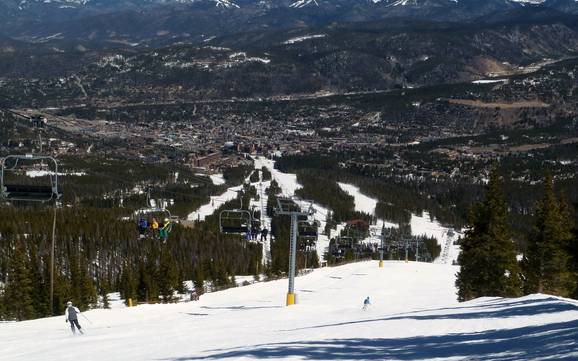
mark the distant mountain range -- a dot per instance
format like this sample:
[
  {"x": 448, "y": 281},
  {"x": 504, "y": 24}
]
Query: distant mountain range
[
  {"x": 162, "y": 22},
  {"x": 393, "y": 5}
]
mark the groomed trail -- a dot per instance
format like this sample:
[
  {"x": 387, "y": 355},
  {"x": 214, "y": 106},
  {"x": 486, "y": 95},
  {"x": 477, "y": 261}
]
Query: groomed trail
[{"x": 414, "y": 316}]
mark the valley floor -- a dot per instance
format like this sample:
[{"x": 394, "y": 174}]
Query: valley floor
[{"x": 414, "y": 316}]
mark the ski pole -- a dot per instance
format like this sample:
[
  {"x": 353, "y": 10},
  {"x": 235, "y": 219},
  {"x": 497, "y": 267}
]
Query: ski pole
[{"x": 89, "y": 321}]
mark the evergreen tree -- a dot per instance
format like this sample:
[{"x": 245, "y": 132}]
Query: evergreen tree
[
  {"x": 127, "y": 284},
  {"x": 41, "y": 293},
  {"x": 573, "y": 251},
  {"x": 62, "y": 289},
  {"x": 88, "y": 294},
  {"x": 547, "y": 261},
  {"x": 3, "y": 314},
  {"x": 488, "y": 257},
  {"x": 199, "y": 281},
  {"x": 19, "y": 294},
  {"x": 168, "y": 277},
  {"x": 105, "y": 301}
]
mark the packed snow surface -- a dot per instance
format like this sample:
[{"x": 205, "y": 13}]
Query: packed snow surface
[
  {"x": 362, "y": 202},
  {"x": 414, "y": 316},
  {"x": 216, "y": 201},
  {"x": 217, "y": 179}
]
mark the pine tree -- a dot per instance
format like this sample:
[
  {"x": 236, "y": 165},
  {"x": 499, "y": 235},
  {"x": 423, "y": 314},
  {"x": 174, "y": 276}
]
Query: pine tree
[
  {"x": 199, "y": 281},
  {"x": 41, "y": 293},
  {"x": 105, "y": 301},
  {"x": 488, "y": 257},
  {"x": 547, "y": 261},
  {"x": 88, "y": 294},
  {"x": 3, "y": 314},
  {"x": 573, "y": 250},
  {"x": 127, "y": 284},
  {"x": 168, "y": 277},
  {"x": 19, "y": 295}
]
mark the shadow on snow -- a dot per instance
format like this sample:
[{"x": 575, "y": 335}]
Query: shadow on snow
[{"x": 558, "y": 340}]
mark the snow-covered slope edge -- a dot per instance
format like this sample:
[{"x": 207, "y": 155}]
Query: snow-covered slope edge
[{"x": 414, "y": 316}]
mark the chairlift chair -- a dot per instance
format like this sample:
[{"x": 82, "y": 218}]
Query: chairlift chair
[
  {"x": 287, "y": 205},
  {"x": 341, "y": 246},
  {"x": 345, "y": 243},
  {"x": 235, "y": 221},
  {"x": 256, "y": 219},
  {"x": 13, "y": 190},
  {"x": 308, "y": 230},
  {"x": 38, "y": 121},
  {"x": 158, "y": 213},
  {"x": 306, "y": 244}
]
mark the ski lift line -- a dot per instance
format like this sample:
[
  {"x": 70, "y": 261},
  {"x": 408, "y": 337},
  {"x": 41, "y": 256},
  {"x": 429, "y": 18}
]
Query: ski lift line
[
  {"x": 29, "y": 117},
  {"x": 24, "y": 115}
]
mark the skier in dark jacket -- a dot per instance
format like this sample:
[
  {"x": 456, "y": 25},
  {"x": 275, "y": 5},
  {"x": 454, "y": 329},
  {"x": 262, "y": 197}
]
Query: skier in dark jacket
[
  {"x": 143, "y": 225},
  {"x": 264, "y": 233},
  {"x": 366, "y": 304},
  {"x": 71, "y": 315}
]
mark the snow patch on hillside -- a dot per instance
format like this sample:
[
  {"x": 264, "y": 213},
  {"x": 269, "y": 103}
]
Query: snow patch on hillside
[
  {"x": 303, "y": 38},
  {"x": 44, "y": 173},
  {"x": 217, "y": 179},
  {"x": 216, "y": 201},
  {"x": 303, "y": 3}
]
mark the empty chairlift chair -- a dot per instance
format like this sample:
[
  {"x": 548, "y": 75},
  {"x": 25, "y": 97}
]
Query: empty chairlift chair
[
  {"x": 256, "y": 220},
  {"x": 235, "y": 221},
  {"x": 308, "y": 230},
  {"x": 21, "y": 178}
]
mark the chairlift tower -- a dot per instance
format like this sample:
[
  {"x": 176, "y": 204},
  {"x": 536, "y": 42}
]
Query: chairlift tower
[
  {"x": 381, "y": 237},
  {"x": 289, "y": 207}
]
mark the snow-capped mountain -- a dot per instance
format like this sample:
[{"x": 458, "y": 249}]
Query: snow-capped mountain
[
  {"x": 475, "y": 7},
  {"x": 141, "y": 19},
  {"x": 105, "y": 5}
]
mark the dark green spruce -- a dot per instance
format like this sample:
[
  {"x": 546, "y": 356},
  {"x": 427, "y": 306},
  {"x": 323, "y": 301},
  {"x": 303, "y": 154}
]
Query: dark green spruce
[
  {"x": 547, "y": 260},
  {"x": 488, "y": 258}
]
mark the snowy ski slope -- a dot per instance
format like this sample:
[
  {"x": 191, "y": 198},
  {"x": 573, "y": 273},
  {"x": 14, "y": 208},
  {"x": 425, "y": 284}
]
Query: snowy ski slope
[
  {"x": 420, "y": 225},
  {"x": 414, "y": 316}
]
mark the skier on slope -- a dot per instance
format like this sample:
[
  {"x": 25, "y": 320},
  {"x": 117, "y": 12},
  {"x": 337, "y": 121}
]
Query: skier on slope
[
  {"x": 366, "y": 304},
  {"x": 264, "y": 233},
  {"x": 71, "y": 315}
]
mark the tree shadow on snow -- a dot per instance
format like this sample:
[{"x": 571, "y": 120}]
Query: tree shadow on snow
[
  {"x": 498, "y": 303},
  {"x": 238, "y": 308},
  {"x": 514, "y": 309},
  {"x": 195, "y": 314},
  {"x": 557, "y": 340},
  {"x": 525, "y": 343}
]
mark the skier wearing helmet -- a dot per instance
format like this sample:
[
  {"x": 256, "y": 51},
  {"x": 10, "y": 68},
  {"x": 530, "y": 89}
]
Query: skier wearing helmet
[{"x": 71, "y": 315}]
